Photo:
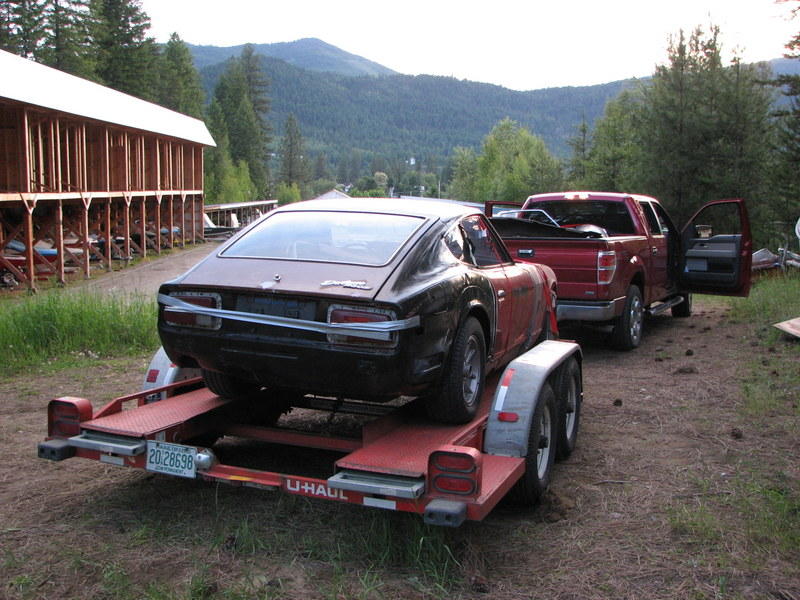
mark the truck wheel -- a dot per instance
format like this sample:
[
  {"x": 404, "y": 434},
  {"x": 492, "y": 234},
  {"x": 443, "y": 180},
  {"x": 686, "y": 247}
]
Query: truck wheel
[
  {"x": 463, "y": 378},
  {"x": 569, "y": 393},
  {"x": 684, "y": 309},
  {"x": 227, "y": 386},
  {"x": 627, "y": 333},
  {"x": 541, "y": 451}
]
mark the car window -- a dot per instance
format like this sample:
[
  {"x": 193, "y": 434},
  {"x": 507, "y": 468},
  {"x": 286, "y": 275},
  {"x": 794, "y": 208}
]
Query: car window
[
  {"x": 327, "y": 236},
  {"x": 482, "y": 248}
]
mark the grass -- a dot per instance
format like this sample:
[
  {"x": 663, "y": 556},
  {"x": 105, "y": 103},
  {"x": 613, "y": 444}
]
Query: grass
[{"x": 62, "y": 329}]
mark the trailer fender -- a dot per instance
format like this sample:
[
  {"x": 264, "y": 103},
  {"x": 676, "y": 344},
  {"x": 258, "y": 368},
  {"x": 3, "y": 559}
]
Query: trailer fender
[
  {"x": 516, "y": 397},
  {"x": 162, "y": 371}
]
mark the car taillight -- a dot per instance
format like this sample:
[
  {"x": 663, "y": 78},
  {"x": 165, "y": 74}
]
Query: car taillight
[
  {"x": 455, "y": 471},
  {"x": 64, "y": 416},
  {"x": 606, "y": 265},
  {"x": 173, "y": 316},
  {"x": 350, "y": 314}
]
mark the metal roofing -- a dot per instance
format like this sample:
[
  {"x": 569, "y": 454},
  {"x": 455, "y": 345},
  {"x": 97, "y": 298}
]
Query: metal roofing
[{"x": 29, "y": 82}]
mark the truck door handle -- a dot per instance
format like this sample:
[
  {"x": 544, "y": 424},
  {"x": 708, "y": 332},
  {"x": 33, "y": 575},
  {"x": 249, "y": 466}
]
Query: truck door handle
[
  {"x": 501, "y": 293},
  {"x": 654, "y": 250},
  {"x": 526, "y": 252}
]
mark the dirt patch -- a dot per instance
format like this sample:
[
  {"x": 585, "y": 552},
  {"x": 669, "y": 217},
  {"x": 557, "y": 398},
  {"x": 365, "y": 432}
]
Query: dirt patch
[{"x": 640, "y": 510}]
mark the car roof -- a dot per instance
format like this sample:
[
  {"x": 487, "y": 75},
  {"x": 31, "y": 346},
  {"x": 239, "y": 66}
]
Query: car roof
[{"x": 433, "y": 208}]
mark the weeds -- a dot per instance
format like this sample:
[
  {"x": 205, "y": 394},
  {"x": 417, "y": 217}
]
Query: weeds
[{"x": 65, "y": 328}]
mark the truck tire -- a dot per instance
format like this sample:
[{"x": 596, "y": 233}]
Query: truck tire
[
  {"x": 684, "y": 309},
  {"x": 541, "y": 452},
  {"x": 569, "y": 395},
  {"x": 627, "y": 332},
  {"x": 227, "y": 386},
  {"x": 462, "y": 382}
]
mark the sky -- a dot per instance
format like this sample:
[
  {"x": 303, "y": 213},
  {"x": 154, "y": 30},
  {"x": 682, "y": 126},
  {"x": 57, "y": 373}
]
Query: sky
[{"x": 521, "y": 45}]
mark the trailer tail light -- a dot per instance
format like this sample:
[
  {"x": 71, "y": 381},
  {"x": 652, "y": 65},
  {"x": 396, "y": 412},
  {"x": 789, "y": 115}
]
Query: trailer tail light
[
  {"x": 455, "y": 470},
  {"x": 174, "y": 316},
  {"x": 65, "y": 415},
  {"x": 353, "y": 314},
  {"x": 606, "y": 266}
]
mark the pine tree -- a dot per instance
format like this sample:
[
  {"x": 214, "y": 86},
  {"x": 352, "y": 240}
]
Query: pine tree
[
  {"x": 68, "y": 43},
  {"x": 293, "y": 164},
  {"x": 126, "y": 56},
  {"x": 179, "y": 82},
  {"x": 258, "y": 92},
  {"x": 22, "y": 26}
]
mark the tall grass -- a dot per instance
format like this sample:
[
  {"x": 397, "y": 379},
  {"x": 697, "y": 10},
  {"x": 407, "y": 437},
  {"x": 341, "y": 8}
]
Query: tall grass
[
  {"x": 772, "y": 299},
  {"x": 60, "y": 327}
]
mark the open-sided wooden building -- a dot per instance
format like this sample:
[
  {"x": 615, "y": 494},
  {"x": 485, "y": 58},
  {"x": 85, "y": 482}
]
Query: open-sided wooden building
[{"x": 89, "y": 175}]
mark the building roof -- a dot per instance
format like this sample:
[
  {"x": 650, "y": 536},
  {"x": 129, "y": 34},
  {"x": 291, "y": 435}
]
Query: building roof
[{"x": 31, "y": 83}]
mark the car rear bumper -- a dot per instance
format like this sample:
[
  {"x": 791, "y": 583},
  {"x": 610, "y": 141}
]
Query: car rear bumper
[{"x": 577, "y": 310}]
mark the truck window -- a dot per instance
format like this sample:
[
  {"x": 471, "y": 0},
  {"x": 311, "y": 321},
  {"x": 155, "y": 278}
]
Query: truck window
[
  {"x": 611, "y": 215},
  {"x": 652, "y": 219}
]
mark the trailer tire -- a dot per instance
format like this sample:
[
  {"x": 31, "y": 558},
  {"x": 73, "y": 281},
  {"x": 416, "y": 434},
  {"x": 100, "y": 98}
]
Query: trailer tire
[
  {"x": 569, "y": 394},
  {"x": 540, "y": 457},
  {"x": 460, "y": 394},
  {"x": 684, "y": 309},
  {"x": 627, "y": 333},
  {"x": 227, "y": 386}
]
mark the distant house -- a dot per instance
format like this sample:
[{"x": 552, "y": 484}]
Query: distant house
[{"x": 91, "y": 174}]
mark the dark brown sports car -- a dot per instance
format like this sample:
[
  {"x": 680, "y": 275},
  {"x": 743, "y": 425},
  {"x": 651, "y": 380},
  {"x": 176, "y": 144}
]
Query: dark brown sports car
[{"x": 366, "y": 299}]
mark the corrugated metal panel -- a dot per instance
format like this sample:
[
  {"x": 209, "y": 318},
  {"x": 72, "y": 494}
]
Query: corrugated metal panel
[{"x": 29, "y": 82}]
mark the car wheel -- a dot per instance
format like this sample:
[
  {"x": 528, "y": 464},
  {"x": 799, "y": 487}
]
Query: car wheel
[
  {"x": 541, "y": 451},
  {"x": 627, "y": 333},
  {"x": 227, "y": 386},
  {"x": 463, "y": 378},
  {"x": 684, "y": 309},
  {"x": 569, "y": 393}
]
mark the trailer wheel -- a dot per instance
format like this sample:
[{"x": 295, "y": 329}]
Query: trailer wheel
[
  {"x": 227, "y": 386},
  {"x": 541, "y": 451},
  {"x": 627, "y": 333},
  {"x": 684, "y": 309},
  {"x": 462, "y": 381},
  {"x": 569, "y": 392}
]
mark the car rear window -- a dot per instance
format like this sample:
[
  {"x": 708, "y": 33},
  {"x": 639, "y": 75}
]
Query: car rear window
[{"x": 327, "y": 236}]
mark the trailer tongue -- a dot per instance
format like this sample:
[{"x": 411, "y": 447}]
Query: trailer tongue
[{"x": 401, "y": 461}]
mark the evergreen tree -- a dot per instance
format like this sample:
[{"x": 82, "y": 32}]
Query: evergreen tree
[
  {"x": 179, "y": 82},
  {"x": 68, "y": 43},
  {"x": 22, "y": 26},
  {"x": 258, "y": 92},
  {"x": 293, "y": 162},
  {"x": 787, "y": 171},
  {"x": 226, "y": 180},
  {"x": 126, "y": 56},
  {"x": 246, "y": 139},
  {"x": 579, "y": 145}
]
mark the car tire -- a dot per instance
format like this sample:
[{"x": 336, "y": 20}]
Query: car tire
[
  {"x": 463, "y": 379},
  {"x": 684, "y": 309},
  {"x": 539, "y": 459},
  {"x": 227, "y": 386},
  {"x": 627, "y": 332},
  {"x": 569, "y": 396}
]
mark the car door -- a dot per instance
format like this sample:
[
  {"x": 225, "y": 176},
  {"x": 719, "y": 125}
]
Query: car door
[
  {"x": 485, "y": 251},
  {"x": 717, "y": 250}
]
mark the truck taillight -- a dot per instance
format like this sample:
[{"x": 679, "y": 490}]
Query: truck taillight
[
  {"x": 606, "y": 265},
  {"x": 65, "y": 415},
  {"x": 351, "y": 314},
  {"x": 455, "y": 471},
  {"x": 173, "y": 316}
]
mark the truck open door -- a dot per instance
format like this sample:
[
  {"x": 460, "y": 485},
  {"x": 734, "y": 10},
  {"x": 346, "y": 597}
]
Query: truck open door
[{"x": 717, "y": 250}]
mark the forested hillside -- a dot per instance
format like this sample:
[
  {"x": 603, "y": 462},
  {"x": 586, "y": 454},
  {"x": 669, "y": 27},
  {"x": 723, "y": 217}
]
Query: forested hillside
[
  {"x": 417, "y": 115},
  {"x": 309, "y": 53}
]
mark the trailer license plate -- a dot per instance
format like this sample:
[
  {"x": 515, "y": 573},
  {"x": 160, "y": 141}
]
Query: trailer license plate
[{"x": 172, "y": 459}]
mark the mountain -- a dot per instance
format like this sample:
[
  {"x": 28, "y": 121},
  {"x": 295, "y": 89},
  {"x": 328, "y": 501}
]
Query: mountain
[
  {"x": 309, "y": 53},
  {"x": 404, "y": 115}
]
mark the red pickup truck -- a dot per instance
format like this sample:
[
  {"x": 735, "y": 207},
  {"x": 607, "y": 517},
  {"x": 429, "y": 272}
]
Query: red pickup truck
[{"x": 617, "y": 256}]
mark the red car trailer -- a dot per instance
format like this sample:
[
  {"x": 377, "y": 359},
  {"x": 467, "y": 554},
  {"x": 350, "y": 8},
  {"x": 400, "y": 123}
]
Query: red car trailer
[{"x": 529, "y": 417}]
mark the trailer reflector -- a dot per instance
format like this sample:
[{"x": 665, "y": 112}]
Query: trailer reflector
[
  {"x": 508, "y": 417},
  {"x": 455, "y": 470},
  {"x": 380, "y": 503}
]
